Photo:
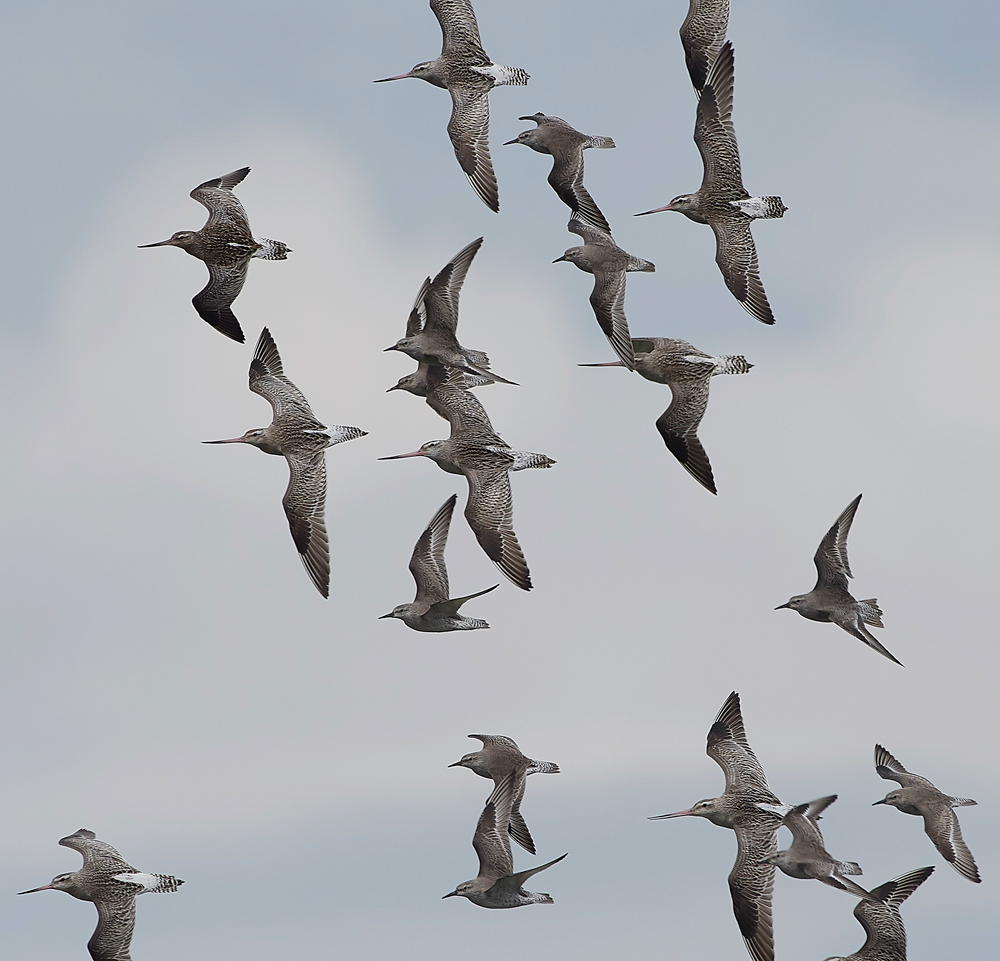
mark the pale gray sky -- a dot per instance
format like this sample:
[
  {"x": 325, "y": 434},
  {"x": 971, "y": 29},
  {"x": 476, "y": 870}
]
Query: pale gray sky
[{"x": 171, "y": 679}]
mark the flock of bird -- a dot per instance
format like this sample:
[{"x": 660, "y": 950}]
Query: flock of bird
[
  {"x": 750, "y": 809},
  {"x": 447, "y": 373}
]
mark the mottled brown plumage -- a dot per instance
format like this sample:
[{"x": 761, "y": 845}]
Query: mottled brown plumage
[
  {"x": 722, "y": 201},
  {"x": 751, "y": 880},
  {"x": 879, "y": 915},
  {"x": 227, "y": 246},
  {"x": 112, "y": 884},
  {"x": 687, "y": 372},
  {"x": 703, "y": 33},
  {"x": 296, "y": 434},
  {"x": 468, "y": 74}
]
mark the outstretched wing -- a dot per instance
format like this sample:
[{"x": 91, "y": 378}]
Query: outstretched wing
[
  {"x": 427, "y": 563},
  {"x": 490, "y": 512},
  {"x": 441, "y": 297},
  {"x": 832, "y": 565},
  {"x": 217, "y": 197},
  {"x": 304, "y": 503},
  {"x": 943, "y": 829},
  {"x": 459, "y": 30},
  {"x": 714, "y": 134},
  {"x": 566, "y": 179},
  {"x": 751, "y": 884},
  {"x": 729, "y": 748},
  {"x": 469, "y": 129},
  {"x": 702, "y": 34},
  {"x": 268, "y": 379},
  {"x": 96, "y": 854},
  {"x": 608, "y": 302},
  {"x": 490, "y": 839},
  {"x": 113, "y": 934},
  {"x": 886, "y": 766},
  {"x": 678, "y": 425},
  {"x": 225, "y": 281},
  {"x": 736, "y": 255}
]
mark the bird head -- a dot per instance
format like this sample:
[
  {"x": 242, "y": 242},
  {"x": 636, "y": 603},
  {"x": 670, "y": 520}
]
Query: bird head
[
  {"x": 681, "y": 204},
  {"x": 793, "y": 603},
  {"x": 61, "y": 882},
  {"x": 182, "y": 238}
]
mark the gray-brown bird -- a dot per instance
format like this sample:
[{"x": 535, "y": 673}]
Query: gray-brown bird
[
  {"x": 742, "y": 809},
  {"x": 486, "y": 460},
  {"x": 916, "y": 795},
  {"x": 447, "y": 392},
  {"x": 879, "y": 915},
  {"x": 830, "y": 600},
  {"x": 432, "y": 609},
  {"x": 566, "y": 145},
  {"x": 609, "y": 264},
  {"x": 703, "y": 33},
  {"x": 496, "y": 885},
  {"x": 499, "y": 758},
  {"x": 722, "y": 201},
  {"x": 431, "y": 329},
  {"x": 468, "y": 74},
  {"x": 808, "y": 857},
  {"x": 112, "y": 884},
  {"x": 227, "y": 246},
  {"x": 687, "y": 372},
  {"x": 296, "y": 434}
]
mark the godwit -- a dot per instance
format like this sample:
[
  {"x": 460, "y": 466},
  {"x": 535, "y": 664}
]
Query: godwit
[
  {"x": 885, "y": 935},
  {"x": 468, "y": 74},
  {"x": 497, "y": 886},
  {"x": 807, "y": 857},
  {"x": 703, "y": 33},
  {"x": 918, "y": 796},
  {"x": 687, "y": 372},
  {"x": 486, "y": 460},
  {"x": 296, "y": 434},
  {"x": 722, "y": 201},
  {"x": 431, "y": 328},
  {"x": 752, "y": 877},
  {"x": 226, "y": 246},
  {"x": 432, "y": 610},
  {"x": 500, "y": 758},
  {"x": 603, "y": 258},
  {"x": 112, "y": 884},
  {"x": 830, "y": 600},
  {"x": 565, "y": 145}
]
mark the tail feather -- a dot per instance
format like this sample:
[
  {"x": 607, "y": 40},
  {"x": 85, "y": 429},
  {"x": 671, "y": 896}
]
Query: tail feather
[
  {"x": 543, "y": 767},
  {"x": 271, "y": 249},
  {"x": 731, "y": 364},
  {"x": 604, "y": 142},
  {"x": 870, "y": 612}
]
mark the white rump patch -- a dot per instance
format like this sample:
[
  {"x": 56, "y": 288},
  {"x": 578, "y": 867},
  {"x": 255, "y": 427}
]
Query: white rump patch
[
  {"x": 149, "y": 882},
  {"x": 503, "y": 75}
]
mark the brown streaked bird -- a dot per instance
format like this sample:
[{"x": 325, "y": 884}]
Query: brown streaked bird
[
  {"x": 603, "y": 258},
  {"x": 500, "y": 758},
  {"x": 703, "y": 33},
  {"x": 830, "y": 600},
  {"x": 296, "y": 434},
  {"x": 722, "y": 201},
  {"x": 432, "y": 609},
  {"x": 751, "y": 880},
  {"x": 486, "y": 460},
  {"x": 687, "y": 372},
  {"x": 431, "y": 329},
  {"x": 497, "y": 886},
  {"x": 565, "y": 145},
  {"x": 468, "y": 74},
  {"x": 879, "y": 915},
  {"x": 916, "y": 795},
  {"x": 112, "y": 885},
  {"x": 808, "y": 857},
  {"x": 226, "y": 246}
]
